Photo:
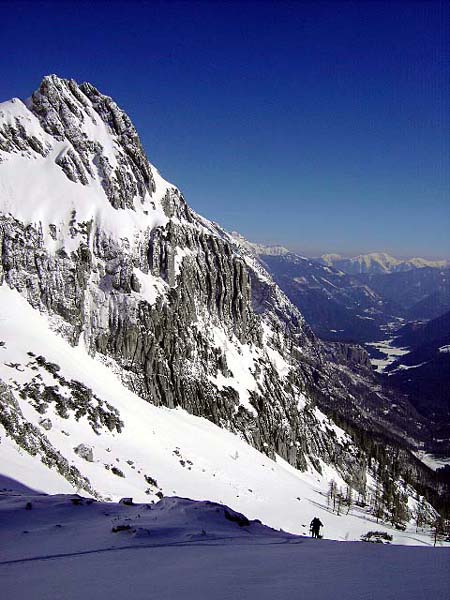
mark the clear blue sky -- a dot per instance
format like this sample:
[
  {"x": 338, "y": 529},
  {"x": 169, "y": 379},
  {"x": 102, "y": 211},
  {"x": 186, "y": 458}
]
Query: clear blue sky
[{"x": 320, "y": 125}]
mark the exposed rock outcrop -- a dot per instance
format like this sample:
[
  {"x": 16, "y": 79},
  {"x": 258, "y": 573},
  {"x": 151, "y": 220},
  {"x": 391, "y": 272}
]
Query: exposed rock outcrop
[{"x": 85, "y": 452}]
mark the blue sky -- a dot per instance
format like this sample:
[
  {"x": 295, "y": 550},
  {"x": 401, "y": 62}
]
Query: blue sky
[{"x": 320, "y": 125}]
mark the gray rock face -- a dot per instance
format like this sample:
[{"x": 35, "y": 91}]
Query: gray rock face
[
  {"x": 46, "y": 424},
  {"x": 85, "y": 452},
  {"x": 177, "y": 305},
  {"x": 351, "y": 353},
  {"x": 31, "y": 439},
  {"x": 62, "y": 108}
]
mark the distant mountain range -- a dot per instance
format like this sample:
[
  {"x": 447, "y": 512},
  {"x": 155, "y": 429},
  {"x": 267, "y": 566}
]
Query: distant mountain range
[
  {"x": 372, "y": 262},
  {"x": 357, "y": 307},
  {"x": 378, "y": 262}
]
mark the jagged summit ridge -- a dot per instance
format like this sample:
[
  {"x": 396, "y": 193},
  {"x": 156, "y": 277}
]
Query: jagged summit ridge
[
  {"x": 82, "y": 116},
  {"x": 67, "y": 134},
  {"x": 92, "y": 141}
]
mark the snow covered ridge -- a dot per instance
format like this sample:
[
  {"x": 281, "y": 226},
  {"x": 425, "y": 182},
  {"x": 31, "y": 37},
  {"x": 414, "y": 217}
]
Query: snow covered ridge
[
  {"x": 104, "y": 264},
  {"x": 260, "y": 248}
]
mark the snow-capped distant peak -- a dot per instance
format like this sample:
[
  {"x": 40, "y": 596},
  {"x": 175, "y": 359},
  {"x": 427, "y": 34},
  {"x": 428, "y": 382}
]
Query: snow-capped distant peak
[
  {"x": 329, "y": 259},
  {"x": 260, "y": 249},
  {"x": 378, "y": 262}
]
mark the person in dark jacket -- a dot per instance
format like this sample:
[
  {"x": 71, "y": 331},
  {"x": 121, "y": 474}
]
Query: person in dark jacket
[{"x": 315, "y": 526}]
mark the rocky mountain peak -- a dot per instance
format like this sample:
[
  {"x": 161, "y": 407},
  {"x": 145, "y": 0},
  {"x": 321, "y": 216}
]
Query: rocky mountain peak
[
  {"x": 86, "y": 135},
  {"x": 63, "y": 103}
]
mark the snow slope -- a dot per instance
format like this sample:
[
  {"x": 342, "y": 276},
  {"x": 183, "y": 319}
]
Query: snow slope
[
  {"x": 66, "y": 547},
  {"x": 160, "y": 450}
]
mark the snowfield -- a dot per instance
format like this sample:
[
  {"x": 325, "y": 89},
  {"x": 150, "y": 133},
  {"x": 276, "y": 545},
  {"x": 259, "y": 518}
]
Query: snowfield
[
  {"x": 391, "y": 352},
  {"x": 69, "y": 547}
]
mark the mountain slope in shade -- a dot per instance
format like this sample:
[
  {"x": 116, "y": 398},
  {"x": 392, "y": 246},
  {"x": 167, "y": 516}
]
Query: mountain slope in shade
[
  {"x": 420, "y": 293},
  {"x": 424, "y": 372},
  {"x": 97, "y": 243},
  {"x": 338, "y": 306},
  {"x": 415, "y": 334}
]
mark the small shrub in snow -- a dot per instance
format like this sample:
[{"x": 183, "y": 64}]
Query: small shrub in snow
[
  {"x": 377, "y": 537},
  {"x": 46, "y": 424},
  {"x": 151, "y": 480},
  {"x": 85, "y": 452},
  {"x": 117, "y": 472},
  {"x": 118, "y": 528}
]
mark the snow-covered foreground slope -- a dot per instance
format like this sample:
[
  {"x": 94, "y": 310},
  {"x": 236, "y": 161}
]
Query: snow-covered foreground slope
[
  {"x": 157, "y": 450},
  {"x": 71, "y": 548}
]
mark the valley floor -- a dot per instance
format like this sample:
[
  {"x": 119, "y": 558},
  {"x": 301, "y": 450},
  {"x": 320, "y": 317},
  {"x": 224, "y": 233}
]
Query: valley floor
[
  {"x": 65, "y": 547},
  {"x": 389, "y": 351}
]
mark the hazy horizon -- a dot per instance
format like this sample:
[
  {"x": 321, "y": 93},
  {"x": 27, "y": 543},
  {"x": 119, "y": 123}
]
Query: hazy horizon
[{"x": 315, "y": 253}]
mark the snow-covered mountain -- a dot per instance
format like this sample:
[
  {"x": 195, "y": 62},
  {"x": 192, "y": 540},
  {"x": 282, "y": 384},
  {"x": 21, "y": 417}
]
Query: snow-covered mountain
[
  {"x": 378, "y": 262},
  {"x": 119, "y": 303}
]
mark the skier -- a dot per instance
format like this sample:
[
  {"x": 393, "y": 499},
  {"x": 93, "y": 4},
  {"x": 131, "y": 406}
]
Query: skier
[{"x": 315, "y": 526}]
